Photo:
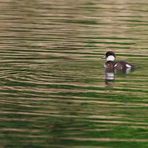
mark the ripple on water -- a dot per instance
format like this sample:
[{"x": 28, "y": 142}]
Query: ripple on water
[{"x": 52, "y": 76}]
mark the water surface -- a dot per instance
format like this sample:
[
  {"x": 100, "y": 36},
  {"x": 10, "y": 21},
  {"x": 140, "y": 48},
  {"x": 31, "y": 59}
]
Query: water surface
[{"x": 52, "y": 89}]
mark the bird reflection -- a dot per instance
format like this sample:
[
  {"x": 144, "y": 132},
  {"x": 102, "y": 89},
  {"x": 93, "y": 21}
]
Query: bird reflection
[{"x": 109, "y": 73}]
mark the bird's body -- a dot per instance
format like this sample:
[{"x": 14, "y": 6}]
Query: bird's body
[{"x": 112, "y": 65}]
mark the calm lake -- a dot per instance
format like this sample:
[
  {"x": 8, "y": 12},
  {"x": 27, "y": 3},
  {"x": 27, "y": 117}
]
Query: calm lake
[{"x": 52, "y": 88}]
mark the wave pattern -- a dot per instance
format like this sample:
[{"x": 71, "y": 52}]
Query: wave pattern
[{"x": 52, "y": 90}]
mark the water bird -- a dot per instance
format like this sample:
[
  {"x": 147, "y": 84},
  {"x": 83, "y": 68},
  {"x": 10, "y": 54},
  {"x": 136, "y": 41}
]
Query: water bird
[{"x": 112, "y": 65}]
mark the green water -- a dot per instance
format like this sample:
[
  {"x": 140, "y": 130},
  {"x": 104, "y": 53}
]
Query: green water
[{"x": 52, "y": 89}]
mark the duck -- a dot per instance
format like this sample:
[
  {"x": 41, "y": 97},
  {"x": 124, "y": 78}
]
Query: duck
[{"x": 113, "y": 66}]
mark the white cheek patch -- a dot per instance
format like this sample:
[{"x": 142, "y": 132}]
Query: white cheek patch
[{"x": 110, "y": 58}]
